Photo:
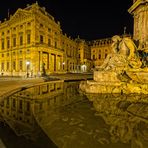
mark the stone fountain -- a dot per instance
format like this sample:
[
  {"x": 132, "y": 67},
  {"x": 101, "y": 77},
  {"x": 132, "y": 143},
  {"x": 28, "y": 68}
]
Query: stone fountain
[{"x": 123, "y": 71}]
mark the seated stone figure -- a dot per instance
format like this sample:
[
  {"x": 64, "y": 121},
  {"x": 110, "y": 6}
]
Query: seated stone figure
[{"x": 124, "y": 55}]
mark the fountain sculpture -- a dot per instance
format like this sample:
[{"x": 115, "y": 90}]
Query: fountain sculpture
[{"x": 123, "y": 71}]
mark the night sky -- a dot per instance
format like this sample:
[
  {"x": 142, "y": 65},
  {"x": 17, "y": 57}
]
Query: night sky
[{"x": 90, "y": 19}]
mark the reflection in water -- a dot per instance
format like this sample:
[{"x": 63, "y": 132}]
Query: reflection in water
[
  {"x": 126, "y": 115},
  {"x": 57, "y": 111}
]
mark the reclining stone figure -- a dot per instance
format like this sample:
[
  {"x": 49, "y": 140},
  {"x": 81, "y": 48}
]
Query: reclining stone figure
[{"x": 124, "y": 55}]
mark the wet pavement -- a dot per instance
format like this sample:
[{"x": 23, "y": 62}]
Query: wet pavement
[{"x": 8, "y": 84}]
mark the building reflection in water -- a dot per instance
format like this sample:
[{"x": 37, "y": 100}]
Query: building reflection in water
[
  {"x": 127, "y": 116},
  {"x": 57, "y": 111}
]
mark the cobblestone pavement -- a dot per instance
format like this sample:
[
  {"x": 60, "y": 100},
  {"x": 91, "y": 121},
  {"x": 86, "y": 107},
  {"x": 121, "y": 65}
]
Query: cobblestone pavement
[{"x": 8, "y": 84}]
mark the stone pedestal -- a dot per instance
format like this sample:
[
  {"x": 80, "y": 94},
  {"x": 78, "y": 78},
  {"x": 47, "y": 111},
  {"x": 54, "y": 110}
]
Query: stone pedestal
[{"x": 105, "y": 76}]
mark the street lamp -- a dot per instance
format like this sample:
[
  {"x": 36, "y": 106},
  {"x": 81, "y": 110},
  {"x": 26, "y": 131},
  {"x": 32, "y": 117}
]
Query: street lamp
[
  {"x": 27, "y": 63},
  {"x": 63, "y": 65}
]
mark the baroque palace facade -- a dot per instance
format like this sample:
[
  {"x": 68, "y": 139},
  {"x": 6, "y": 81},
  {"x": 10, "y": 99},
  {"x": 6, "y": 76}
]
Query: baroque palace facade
[{"x": 32, "y": 43}]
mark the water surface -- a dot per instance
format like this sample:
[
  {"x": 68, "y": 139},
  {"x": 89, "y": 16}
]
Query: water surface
[{"x": 59, "y": 115}]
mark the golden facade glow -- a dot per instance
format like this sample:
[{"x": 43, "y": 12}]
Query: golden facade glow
[
  {"x": 139, "y": 10},
  {"x": 32, "y": 43},
  {"x": 99, "y": 50}
]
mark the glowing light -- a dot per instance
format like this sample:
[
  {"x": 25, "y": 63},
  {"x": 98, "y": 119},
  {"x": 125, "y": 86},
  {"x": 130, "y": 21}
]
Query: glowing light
[{"x": 27, "y": 63}]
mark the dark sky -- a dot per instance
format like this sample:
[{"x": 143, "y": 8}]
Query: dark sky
[{"x": 90, "y": 19}]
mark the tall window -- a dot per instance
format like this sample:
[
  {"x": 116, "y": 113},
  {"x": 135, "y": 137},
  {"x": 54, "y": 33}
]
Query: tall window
[
  {"x": 3, "y": 44},
  {"x": 27, "y": 106},
  {"x": 21, "y": 65},
  {"x": 105, "y": 55},
  {"x": 2, "y": 66},
  {"x": 49, "y": 42},
  {"x": 8, "y": 43},
  {"x": 21, "y": 40},
  {"x": 21, "y": 52},
  {"x": 55, "y": 44},
  {"x": 14, "y": 65},
  {"x": 28, "y": 38},
  {"x": 41, "y": 39},
  {"x": 8, "y": 65},
  {"x": 20, "y": 105},
  {"x": 49, "y": 29},
  {"x": 99, "y": 56},
  {"x": 14, "y": 42},
  {"x": 13, "y": 103},
  {"x": 41, "y": 25},
  {"x": 93, "y": 57}
]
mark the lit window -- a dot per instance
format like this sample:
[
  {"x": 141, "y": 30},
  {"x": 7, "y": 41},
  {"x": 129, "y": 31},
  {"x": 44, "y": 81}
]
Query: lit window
[
  {"x": 21, "y": 40},
  {"x": 28, "y": 106},
  {"x": 20, "y": 52},
  {"x": 2, "y": 66},
  {"x": 28, "y": 38},
  {"x": 14, "y": 103},
  {"x": 28, "y": 24},
  {"x": 49, "y": 42},
  {"x": 105, "y": 55},
  {"x": 7, "y": 65},
  {"x": 21, "y": 26},
  {"x": 20, "y": 104},
  {"x": 41, "y": 39},
  {"x": 8, "y": 43},
  {"x": 41, "y": 25},
  {"x": 14, "y": 65},
  {"x": 49, "y": 29},
  {"x": 28, "y": 51},
  {"x": 93, "y": 57},
  {"x": 55, "y": 44},
  {"x": 3, "y": 44},
  {"x": 14, "y": 42},
  {"x": 21, "y": 65}
]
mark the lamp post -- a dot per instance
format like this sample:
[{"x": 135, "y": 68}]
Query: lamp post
[
  {"x": 27, "y": 64},
  {"x": 63, "y": 64}
]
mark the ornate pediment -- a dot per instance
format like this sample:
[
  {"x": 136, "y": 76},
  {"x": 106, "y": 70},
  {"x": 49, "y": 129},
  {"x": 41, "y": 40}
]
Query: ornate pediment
[{"x": 20, "y": 15}]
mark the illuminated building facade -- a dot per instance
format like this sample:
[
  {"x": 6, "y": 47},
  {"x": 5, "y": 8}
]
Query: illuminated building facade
[
  {"x": 84, "y": 55},
  {"x": 32, "y": 44},
  {"x": 139, "y": 10},
  {"x": 99, "y": 50},
  {"x": 69, "y": 47}
]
